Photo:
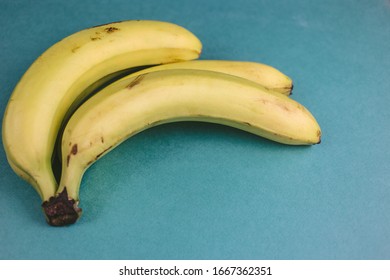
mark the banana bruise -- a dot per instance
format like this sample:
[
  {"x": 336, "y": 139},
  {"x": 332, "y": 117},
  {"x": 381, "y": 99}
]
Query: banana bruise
[
  {"x": 55, "y": 83},
  {"x": 138, "y": 102}
]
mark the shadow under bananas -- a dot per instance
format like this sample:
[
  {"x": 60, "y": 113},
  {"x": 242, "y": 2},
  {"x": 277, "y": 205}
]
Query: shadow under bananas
[{"x": 135, "y": 162}]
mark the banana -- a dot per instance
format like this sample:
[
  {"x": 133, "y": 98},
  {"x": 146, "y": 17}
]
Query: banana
[
  {"x": 55, "y": 83},
  {"x": 266, "y": 75},
  {"x": 138, "y": 102}
]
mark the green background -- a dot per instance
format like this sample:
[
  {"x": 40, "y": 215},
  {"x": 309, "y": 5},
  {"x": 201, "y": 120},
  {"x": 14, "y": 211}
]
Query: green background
[{"x": 204, "y": 191}]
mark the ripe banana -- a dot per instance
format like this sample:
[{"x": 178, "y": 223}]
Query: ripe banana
[
  {"x": 55, "y": 83},
  {"x": 138, "y": 102},
  {"x": 268, "y": 76},
  {"x": 263, "y": 74}
]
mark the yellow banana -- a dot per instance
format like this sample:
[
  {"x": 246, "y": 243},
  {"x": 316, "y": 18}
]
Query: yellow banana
[
  {"x": 55, "y": 83},
  {"x": 138, "y": 102},
  {"x": 266, "y": 75}
]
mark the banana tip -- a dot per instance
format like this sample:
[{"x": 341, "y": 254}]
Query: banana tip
[
  {"x": 60, "y": 210},
  {"x": 319, "y": 134}
]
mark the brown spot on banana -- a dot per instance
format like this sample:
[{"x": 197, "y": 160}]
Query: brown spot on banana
[
  {"x": 75, "y": 49},
  {"x": 111, "y": 29},
  {"x": 99, "y": 35},
  {"x": 136, "y": 81},
  {"x": 67, "y": 160},
  {"x": 100, "y": 154},
  {"x": 73, "y": 151}
]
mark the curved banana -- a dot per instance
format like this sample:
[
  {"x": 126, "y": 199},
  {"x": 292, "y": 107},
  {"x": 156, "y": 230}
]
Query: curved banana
[
  {"x": 136, "y": 103},
  {"x": 266, "y": 75},
  {"x": 57, "y": 80}
]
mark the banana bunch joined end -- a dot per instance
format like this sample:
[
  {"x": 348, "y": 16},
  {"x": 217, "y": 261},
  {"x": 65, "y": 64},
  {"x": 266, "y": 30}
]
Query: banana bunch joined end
[{"x": 61, "y": 210}]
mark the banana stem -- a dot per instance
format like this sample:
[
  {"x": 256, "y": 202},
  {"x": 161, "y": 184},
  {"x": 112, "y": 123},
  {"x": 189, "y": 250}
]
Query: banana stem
[{"x": 60, "y": 210}]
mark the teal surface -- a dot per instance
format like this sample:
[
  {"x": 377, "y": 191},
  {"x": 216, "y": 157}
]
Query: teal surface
[{"x": 203, "y": 191}]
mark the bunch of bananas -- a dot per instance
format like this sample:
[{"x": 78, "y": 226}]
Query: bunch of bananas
[{"x": 85, "y": 95}]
